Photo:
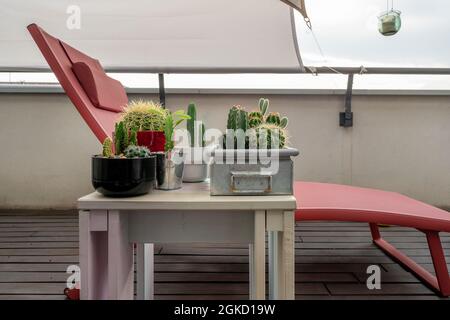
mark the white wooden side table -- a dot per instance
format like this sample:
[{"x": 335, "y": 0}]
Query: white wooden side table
[{"x": 109, "y": 228}]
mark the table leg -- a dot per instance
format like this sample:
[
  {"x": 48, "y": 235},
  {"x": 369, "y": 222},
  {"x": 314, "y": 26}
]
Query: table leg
[
  {"x": 280, "y": 226},
  {"x": 93, "y": 254},
  {"x": 288, "y": 256},
  {"x": 274, "y": 264},
  {"x": 145, "y": 271},
  {"x": 120, "y": 257},
  {"x": 258, "y": 258}
]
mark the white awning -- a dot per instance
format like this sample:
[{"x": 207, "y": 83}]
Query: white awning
[{"x": 157, "y": 35}]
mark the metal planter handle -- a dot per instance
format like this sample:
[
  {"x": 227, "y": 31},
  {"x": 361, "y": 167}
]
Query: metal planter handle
[{"x": 251, "y": 182}]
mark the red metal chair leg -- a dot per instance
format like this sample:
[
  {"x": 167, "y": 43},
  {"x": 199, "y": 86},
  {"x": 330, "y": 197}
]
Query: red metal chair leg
[
  {"x": 440, "y": 283},
  {"x": 440, "y": 265},
  {"x": 375, "y": 231}
]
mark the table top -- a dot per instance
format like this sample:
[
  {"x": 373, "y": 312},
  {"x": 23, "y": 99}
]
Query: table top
[{"x": 192, "y": 196}]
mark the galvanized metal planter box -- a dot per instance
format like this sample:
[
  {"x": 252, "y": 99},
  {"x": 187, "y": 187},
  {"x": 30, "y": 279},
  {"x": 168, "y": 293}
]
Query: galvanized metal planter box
[{"x": 252, "y": 172}]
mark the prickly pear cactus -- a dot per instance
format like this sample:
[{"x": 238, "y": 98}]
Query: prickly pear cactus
[
  {"x": 108, "y": 148},
  {"x": 136, "y": 152}
]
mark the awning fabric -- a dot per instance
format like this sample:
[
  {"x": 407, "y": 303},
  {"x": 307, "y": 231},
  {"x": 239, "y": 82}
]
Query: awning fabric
[
  {"x": 157, "y": 35},
  {"x": 299, "y": 5}
]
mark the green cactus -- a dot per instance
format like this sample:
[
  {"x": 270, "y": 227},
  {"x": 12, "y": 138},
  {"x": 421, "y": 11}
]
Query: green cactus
[
  {"x": 254, "y": 122},
  {"x": 255, "y": 118},
  {"x": 242, "y": 120},
  {"x": 231, "y": 122},
  {"x": 284, "y": 122},
  {"x": 132, "y": 141},
  {"x": 120, "y": 138},
  {"x": 263, "y": 104},
  {"x": 202, "y": 134},
  {"x": 269, "y": 127},
  {"x": 237, "y": 120},
  {"x": 108, "y": 148},
  {"x": 144, "y": 115},
  {"x": 256, "y": 114},
  {"x": 190, "y": 124},
  {"x": 271, "y": 136},
  {"x": 133, "y": 151},
  {"x": 273, "y": 118}
]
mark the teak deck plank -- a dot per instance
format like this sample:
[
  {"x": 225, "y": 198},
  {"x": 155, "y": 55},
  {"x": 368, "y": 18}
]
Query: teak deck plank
[{"x": 331, "y": 261}]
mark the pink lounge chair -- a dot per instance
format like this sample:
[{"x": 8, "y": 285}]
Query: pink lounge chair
[
  {"x": 322, "y": 201},
  {"x": 97, "y": 97}
]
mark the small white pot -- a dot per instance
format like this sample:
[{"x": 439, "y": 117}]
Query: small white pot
[
  {"x": 197, "y": 160},
  {"x": 195, "y": 172}
]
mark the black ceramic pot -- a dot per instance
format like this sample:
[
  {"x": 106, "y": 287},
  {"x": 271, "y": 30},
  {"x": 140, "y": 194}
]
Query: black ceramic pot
[{"x": 123, "y": 177}]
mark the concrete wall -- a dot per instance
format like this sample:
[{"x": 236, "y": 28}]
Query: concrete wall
[{"x": 399, "y": 143}]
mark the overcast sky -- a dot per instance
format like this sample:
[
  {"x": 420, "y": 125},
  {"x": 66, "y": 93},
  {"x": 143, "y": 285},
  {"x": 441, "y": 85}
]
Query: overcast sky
[{"x": 347, "y": 32}]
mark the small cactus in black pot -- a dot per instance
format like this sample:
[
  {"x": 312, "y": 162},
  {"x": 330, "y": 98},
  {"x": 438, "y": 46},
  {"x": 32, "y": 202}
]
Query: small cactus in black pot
[{"x": 133, "y": 151}]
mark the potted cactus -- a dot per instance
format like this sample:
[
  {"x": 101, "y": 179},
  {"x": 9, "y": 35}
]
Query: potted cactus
[
  {"x": 124, "y": 169},
  {"x": 148, "y": 118},
  {"x": 258, "y": 129},
  {"x": 196, "y": 166},
  {"x": 170, "y": 164},
  {"x": 254, "y": 159}
]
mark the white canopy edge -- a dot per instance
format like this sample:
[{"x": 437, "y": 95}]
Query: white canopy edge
[{"x": 158, "y": 36}]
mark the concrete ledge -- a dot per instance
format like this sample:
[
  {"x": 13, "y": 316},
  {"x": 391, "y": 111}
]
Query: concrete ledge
[{"x": 207, "y": 91}]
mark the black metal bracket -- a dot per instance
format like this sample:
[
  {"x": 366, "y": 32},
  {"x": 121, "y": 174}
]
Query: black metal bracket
[
  {"x": 162, "y": 90},
  {"x": 346, "y": 117}
]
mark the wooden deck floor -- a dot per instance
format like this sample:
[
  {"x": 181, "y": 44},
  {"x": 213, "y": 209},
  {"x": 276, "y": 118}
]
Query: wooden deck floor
[{"x": 331, "y": 262}]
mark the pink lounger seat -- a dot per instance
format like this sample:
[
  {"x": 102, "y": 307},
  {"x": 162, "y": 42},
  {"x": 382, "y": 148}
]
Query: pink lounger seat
[
  {"x": 323, "y": 201},
  {"x": 98, "y": 98}
]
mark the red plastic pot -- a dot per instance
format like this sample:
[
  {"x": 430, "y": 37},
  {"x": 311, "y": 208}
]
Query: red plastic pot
[{"x": 154, "y": 140}]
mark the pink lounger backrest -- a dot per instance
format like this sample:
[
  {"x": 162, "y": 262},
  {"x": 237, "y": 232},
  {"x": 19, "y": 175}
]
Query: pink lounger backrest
[{"x": 100, "y": 121}]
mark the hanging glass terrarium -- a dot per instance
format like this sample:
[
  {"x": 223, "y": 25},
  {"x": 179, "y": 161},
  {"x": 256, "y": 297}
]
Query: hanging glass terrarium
[{"x": 389, "y": 22}]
